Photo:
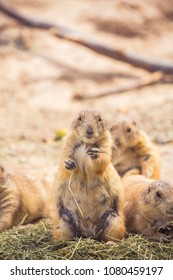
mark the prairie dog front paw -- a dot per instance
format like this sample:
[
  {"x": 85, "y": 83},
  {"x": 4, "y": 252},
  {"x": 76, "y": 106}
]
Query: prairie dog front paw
[
  {"x": 93, "y": 153},
  {"x": 69, "y": 164}
]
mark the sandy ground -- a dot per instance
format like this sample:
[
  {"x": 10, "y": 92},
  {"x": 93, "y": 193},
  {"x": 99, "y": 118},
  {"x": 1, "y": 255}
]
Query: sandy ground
[{"x": 39, "y": 74}]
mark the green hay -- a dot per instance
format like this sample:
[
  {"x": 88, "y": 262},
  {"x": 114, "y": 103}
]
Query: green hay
[{"x": 36, "y": 242}]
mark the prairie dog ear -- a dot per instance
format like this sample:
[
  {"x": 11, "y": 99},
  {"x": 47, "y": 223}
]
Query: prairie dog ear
[
  {"x": 3, "y": 174},
  {"x": 106, "y": 123},
  {"x": 152, "y": 188},
  {"x": 134, "y": 123},
  {"x": 149, "y": 190},
  {"x": 2, "y": 168},
  {"x": 112, "y": 127}
]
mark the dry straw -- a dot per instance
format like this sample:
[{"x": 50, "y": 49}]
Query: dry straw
[{"x": 36, "y": 242}]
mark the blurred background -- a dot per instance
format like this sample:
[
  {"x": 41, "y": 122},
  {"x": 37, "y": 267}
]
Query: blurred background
[{"x": 40, "y": 74}]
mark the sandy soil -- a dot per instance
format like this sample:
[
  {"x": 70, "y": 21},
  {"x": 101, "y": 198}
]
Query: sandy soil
[{"x": 39, "y": 74}]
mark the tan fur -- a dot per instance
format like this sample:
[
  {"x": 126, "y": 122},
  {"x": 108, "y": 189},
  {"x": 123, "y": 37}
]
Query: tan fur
[
  {"x": 21, "y": 200},
  {"x": 92, "y": 188},
  {"x": 133, "y": 151},
  {"x": 148, "y": 205}
]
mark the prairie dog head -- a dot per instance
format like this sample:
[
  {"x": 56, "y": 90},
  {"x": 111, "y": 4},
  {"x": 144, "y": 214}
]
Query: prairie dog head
[
  {"x": 89, "y": 126},
  {"x": 125, "y": 134},
  {"x": 159, "y": 195}
]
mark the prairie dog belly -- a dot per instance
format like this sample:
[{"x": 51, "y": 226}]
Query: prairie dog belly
[
  {"x": 80, "y": 156},
  {"x": 84, "y": 207}
]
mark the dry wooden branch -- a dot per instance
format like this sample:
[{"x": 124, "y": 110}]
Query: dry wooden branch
[
  {"x": 71, "y": 35},
  {"x": 161, "y": 141},
  {"x": 146, "y": 81}
]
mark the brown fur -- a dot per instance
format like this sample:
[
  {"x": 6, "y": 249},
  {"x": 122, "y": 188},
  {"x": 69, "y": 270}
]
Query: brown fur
[
  {"x": 21, "y": 200},
  {"x": 88, "y": 190},
  {"x": 133, "y": 151},
  {"x": 148, "y": 205}
]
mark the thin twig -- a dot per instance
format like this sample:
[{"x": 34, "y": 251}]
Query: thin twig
[
  {"x": 140, "y": 83},
  {"x": 74, "y": 36},
  {"x": 69, "y": 187},
  {"x": 74, "y": 250}
]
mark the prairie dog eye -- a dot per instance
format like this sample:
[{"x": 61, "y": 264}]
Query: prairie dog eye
[
  {"x": 79, "y": 118},
  {"x": 128, "y": 130},
  {"x": 99, "y": 119}
]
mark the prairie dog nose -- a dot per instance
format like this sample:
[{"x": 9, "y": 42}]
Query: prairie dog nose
[
  {"x": 117, "y": 142},
  {"x": 89, "y": 130}
]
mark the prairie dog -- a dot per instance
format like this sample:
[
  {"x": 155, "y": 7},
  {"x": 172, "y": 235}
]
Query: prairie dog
[
  {"x": 133, "y": 151},
  {"x": 21, "y": 200},
  {"x": 88, "y": 190},
  {"x": 148, "y": 205}
]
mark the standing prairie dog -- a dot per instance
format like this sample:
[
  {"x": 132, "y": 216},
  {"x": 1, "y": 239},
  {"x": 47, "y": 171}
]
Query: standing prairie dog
[
  {"x": 88, "y": 190},
  {"x": 148, "y": 205},
  {"x": 133, "y": 151},
  {"x": 21, "y": 200}
]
